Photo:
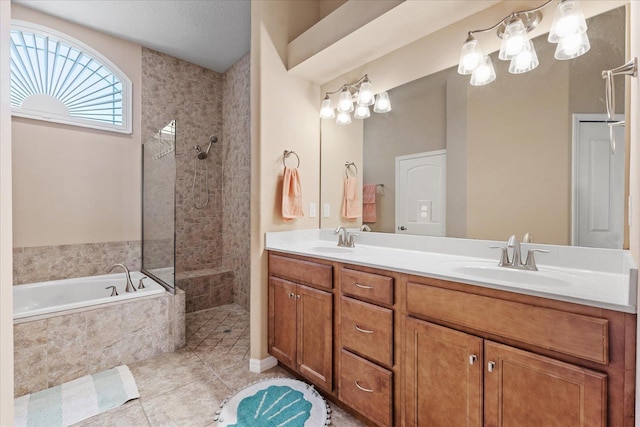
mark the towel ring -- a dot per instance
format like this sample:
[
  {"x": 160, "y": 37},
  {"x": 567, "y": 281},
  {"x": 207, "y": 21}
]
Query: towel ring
[
  {"x": 347, "y": 165},
  {"x": 286, "y": 154}
]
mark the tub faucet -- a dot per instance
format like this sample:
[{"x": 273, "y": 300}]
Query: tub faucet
[{"x": 130, "y": 287}]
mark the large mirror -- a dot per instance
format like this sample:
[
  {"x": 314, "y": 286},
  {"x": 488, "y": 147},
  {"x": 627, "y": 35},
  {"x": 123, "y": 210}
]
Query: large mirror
[{"x": 528, "y": 153}]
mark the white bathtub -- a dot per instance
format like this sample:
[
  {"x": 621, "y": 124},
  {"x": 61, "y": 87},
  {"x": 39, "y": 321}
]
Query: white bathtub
[{"x": 58, "y": 295}]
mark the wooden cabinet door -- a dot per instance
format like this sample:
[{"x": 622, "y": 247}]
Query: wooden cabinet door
[
  {"x": 282, "y": 320},
  {"x": 525, "y": 389},
  {"x": 315, "y": 336},
  {"x": 443, "y": 376}
]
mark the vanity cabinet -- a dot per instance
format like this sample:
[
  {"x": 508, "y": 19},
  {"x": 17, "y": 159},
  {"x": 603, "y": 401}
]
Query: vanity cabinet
[
  {"x": 301, "y": 318},
  {"x": 410, "y": 351},
  {"x": 455, "y": 378}
]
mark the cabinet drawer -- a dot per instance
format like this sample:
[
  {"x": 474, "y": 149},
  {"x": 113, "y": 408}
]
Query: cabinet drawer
[
  {"x": 312, "y": 273},
  {"x": 366, "y": 387},
  {"x": 367, "y": 330},
  {"x": 577, "y": 335},
  {"x": 369, "y": 286}
]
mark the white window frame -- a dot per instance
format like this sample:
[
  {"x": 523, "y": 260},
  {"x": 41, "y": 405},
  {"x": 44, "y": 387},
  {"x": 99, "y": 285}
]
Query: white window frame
[{"x": 125, "y": 127}]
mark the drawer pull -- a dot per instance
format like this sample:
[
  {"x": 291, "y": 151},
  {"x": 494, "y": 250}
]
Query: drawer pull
[
  {"x": 368, "y": 390},
  {"x": 364, "y": 331},
  {"x": 358, "y": 285}
]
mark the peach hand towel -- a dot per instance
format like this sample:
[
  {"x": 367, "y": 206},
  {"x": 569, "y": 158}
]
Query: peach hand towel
[
  {"x": 291, "y": 194},
  {"x": 369, "y": 203},
  {"x": 351, "y": 207}
]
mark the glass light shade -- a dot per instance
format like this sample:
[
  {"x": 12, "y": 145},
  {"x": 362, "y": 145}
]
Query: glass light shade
[
  {"x": 345, "y": 102},
  {"x": 572, "y": 46},
  {"x": 568, "y": 20},
  {"x": 525, "y": 61},
  {"x": 365, "y": 94},
  {"x": 362, "y": 112},
  {"x": 383, "y": 105},
  {"x": 343, "y": 119},
  {"x": 484, "y": 74},
  {"x": 514, "y": 40},
  {"x": 326, "y": 110},
  {"x": 470, "y": 56}
]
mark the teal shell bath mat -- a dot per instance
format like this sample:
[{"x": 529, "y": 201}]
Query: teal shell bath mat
[{"x": 276, "y": 402}]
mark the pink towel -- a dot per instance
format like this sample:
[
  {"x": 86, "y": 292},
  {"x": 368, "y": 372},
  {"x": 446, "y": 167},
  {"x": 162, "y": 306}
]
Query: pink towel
[
  {"x": 291, "y": 194},
  {"x": 351, "y": 207},
  {"x": 369, "y": 203}
]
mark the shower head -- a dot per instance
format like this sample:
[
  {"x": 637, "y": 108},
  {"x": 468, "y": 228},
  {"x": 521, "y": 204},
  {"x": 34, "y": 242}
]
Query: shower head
[{"x": 203, "y": 154}]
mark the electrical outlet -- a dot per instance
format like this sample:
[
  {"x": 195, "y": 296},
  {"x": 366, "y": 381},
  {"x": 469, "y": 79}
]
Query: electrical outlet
[
  {"x": 326, "y": 212},
  {"x": 312, "y": 210}
]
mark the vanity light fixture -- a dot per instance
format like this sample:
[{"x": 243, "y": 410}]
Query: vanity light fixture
[
  {"x": 357, "y": 98},
  {"x": 568, "y": 30}
]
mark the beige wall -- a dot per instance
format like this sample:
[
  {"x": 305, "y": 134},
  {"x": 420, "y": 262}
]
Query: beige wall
[
  {"x": 6, "y": 289},
  {"x": 284, "y": 117},
  {"x": 72, "y": 184},
  {"x": 344, "y": 143}
]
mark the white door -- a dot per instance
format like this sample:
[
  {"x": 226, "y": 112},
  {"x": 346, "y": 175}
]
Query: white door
[
  {"x": 421, "y": 193},
  {"x": 598, "y": 183}
]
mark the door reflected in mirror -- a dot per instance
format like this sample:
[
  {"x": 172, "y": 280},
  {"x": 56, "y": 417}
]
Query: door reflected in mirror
[{"x": 511, "y": 149}]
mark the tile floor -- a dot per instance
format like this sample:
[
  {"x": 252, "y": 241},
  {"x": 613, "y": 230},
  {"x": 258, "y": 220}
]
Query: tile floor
[{"x": 185, "y": 388}]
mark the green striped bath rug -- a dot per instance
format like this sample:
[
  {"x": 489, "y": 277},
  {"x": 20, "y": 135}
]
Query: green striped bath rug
[
  {"x": 276, "y": 402},
  {"x": 76, "y": 400}
]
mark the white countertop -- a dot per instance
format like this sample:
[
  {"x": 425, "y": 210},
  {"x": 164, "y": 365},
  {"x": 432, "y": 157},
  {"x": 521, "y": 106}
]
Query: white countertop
[{"x": 602, "y": 278}]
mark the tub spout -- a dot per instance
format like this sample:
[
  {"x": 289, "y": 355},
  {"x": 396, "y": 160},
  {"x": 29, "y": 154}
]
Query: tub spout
[{"x": 130, "y": 287}]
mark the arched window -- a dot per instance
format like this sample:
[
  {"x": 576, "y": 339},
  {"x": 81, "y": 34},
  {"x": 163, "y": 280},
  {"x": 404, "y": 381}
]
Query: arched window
[{"x": 60, "y": 79}]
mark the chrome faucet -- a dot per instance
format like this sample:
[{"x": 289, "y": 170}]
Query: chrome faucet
[
  {"x": 130, "y": 287},
  {"x": 516, "y": 257},
  {"x": 345, "y": 239}
]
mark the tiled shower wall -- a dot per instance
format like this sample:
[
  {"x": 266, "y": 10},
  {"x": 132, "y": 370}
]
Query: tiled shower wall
[
  {"x": 192, "y": 95},
  {"x": 236, "y": 191}
]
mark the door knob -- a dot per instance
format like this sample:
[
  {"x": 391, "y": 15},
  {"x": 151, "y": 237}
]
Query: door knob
[{"x": 402, "y": 227}]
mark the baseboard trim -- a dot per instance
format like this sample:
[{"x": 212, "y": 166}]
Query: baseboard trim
[{"x": 261, "y": 365}]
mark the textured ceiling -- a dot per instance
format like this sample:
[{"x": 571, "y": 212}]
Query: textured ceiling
[{"x": 211, "y": 33}]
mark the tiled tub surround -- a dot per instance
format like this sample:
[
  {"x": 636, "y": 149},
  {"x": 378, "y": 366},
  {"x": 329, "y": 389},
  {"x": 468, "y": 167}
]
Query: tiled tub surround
[
  {"x": 51, "y": 349},
  {"x": 207, "y": 288},
  {"x": 604, "y": 278},
  {"x": 43, "y": 263}
]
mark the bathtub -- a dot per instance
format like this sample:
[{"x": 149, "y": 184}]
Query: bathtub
[{"x": 59, "y": 295}]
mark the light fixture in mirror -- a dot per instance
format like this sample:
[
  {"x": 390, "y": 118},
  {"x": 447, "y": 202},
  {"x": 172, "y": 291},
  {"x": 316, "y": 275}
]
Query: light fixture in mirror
[
  {"x": 508, "y": 145},
  {"x": 568, "y": 30},
  {"x": 359, "y": 93}
]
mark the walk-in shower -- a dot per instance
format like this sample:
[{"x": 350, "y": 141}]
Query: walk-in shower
[{"x": 201, "y": 155}]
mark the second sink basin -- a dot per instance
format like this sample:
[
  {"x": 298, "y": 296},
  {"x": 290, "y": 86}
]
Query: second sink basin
[{"x": 540, "y": 279}]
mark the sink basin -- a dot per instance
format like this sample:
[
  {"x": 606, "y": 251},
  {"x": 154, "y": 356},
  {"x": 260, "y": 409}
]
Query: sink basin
[
  {"x": 539, "y": 279},
  {"x": 332, "y": 249}
]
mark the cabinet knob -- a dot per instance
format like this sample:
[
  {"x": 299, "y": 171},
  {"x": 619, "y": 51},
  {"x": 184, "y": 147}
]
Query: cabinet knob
[
  {"x": 298, "y": 296},
  {"x": 368, "y": 390},
  {"x": 291, "y": 295},
  {"x": 472, "y": 359},
  {"x": 491, "y": 366}
]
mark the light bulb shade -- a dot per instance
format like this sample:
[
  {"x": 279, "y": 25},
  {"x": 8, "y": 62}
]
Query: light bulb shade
[
  {"x": 382, "y": 105},
  {"x": 362, "y": 112},
  {"x": 485, "y": 73},
  {"x": 470, "y": 56},
  {"x": 525, "y": 61},
  {"x": 514, "y": 40},
  {"x": 568, "y": 20},
  {"x": 343, "y": 119},
  {"x": 326, "y": 110},
  {"x": 365, "y": 94},
  {"x": 345, "y": 102},
  {"x": 572, "y": 46}
]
